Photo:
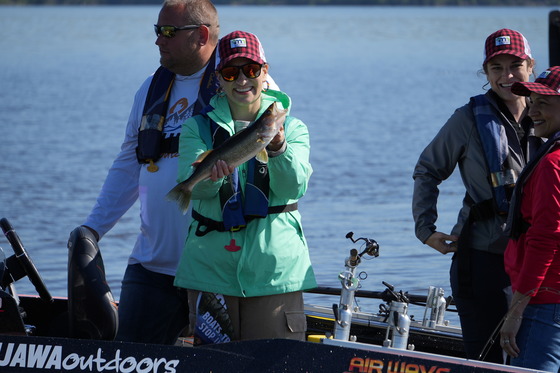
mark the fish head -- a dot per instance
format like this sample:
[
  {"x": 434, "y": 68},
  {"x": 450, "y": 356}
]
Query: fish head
[
  {"x": 279, "y": 114},
  {"x": 269, "y": 123}
]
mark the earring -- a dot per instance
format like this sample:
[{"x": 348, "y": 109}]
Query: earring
[
  {"x": 267, "y": 86},
  {"x": 220, "y": 92}
]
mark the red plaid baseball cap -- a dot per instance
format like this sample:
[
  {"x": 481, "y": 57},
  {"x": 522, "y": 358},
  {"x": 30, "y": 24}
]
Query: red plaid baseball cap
[
  {"x": 547, "y": 84},
  {"x": 506, "y": 41},
  {"x": 240, "y": 44}
]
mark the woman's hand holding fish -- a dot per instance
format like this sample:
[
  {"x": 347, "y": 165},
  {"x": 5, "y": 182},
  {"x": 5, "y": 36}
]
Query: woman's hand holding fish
[{"x": 220, "y": 170}]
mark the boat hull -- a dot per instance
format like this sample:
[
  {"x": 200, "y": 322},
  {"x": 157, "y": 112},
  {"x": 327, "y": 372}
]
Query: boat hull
[{"x": 24, "y": 354}]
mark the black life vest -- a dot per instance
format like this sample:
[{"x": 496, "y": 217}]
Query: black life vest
[{"x": 516, "y": 225}]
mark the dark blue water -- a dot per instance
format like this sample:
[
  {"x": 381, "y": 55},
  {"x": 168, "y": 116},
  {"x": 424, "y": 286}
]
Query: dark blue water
[{"x": 373, "y": 84}]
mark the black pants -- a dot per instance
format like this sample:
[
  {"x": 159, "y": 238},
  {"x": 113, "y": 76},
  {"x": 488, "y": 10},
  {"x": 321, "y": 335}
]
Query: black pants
[{"x": 481, "y": 313}]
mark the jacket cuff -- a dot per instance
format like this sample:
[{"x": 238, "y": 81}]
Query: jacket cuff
[
  {"x": 424, "y": 235},
  {"x": 276, "y": 153}
]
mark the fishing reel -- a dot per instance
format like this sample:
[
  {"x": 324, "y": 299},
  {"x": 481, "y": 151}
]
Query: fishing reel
[
  {"x": 371, "y": 248},
  {"x": 389, "y": 295}
]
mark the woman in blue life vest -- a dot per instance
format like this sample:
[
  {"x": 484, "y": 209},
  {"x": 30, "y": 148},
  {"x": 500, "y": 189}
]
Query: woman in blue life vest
[
  {"x": 491, "y": 138},
  {"x": 260, "y": 266}
]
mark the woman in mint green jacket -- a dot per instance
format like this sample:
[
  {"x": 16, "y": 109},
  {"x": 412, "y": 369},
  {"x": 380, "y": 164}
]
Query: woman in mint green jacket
[{"x": 261, "y": 265}]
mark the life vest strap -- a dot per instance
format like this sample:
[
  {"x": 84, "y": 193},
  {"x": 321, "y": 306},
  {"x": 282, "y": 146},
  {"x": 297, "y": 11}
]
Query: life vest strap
[{"x": 206, "y": 225}]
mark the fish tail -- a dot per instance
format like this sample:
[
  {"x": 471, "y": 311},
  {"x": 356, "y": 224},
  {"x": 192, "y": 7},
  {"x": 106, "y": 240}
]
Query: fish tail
[{"x": 181, "y": 196}]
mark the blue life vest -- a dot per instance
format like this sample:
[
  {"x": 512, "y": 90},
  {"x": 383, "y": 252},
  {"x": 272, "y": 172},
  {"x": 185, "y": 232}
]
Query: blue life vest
[
  {"x": 151, "y": 141},
  {"x": 235, "y": 206},
  {"x": 495, "y": 150}
]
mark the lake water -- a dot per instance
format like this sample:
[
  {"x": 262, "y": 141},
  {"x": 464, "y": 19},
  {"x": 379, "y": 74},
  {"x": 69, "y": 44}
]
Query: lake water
[{"x": 373, "y": 84}]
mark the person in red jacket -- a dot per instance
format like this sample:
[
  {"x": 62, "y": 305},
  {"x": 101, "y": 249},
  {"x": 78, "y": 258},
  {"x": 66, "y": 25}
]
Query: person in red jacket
[{"x": 531, "y": 330}]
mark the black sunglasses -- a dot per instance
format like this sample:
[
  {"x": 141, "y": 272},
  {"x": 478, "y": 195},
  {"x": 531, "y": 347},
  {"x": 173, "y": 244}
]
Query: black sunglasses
[
  {"x": 231, "y": 73},
  {"x": 169, "y": 31}
]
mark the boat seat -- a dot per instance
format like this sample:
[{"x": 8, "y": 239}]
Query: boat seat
[{"x": 92, "y": 310}]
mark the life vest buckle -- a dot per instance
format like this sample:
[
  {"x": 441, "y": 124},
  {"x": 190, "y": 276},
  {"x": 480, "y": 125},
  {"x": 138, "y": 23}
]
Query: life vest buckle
[{"x": 504, "y": 178}]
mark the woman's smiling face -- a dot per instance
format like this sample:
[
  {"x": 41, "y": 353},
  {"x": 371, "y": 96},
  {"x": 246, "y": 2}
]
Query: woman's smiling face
[
  {"x": 244, "y": 91},
  {"x": 545, "y": 113},
  {"x": 504, "y": 70}
]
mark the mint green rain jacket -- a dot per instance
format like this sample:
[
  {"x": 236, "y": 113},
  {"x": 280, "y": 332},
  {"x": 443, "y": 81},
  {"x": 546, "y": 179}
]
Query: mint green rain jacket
[{"x": 273, "y": 257}]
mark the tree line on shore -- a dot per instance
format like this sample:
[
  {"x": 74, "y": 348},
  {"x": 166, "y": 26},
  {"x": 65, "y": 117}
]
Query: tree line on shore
[{"x": 301, "y": 2}]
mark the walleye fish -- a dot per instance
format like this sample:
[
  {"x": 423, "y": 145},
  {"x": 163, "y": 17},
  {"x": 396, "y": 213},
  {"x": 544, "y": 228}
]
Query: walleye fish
[{"x": 236, "y": 150}]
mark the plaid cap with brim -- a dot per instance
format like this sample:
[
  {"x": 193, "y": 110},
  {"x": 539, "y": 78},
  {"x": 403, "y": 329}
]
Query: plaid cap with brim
[
  {"x": 546, "y": 84},
  {"x": 240, "y": 44},
  {"x": 506, "y": 41}
]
